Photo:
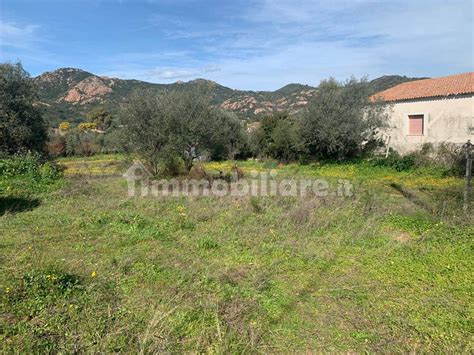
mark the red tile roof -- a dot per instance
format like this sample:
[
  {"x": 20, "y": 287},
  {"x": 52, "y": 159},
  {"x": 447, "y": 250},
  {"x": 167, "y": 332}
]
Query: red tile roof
[{"x": 437, "y": 87}]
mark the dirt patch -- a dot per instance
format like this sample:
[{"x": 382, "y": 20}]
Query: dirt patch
[
  {"x": 398, "y": 236},
  {"x": 401, "y": 237}
]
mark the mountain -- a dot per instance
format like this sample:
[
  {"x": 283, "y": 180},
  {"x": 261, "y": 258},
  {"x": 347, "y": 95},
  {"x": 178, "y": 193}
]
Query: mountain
[
  {"x": 387, "y": 81},
  {"x": 67, "y": 94}
]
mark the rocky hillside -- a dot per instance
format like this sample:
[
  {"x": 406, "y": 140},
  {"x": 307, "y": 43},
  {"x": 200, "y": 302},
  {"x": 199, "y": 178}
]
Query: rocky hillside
[{"x": 67, "y": 94}]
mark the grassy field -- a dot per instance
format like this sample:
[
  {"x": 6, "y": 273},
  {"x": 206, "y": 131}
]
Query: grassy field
[{"x": 86, "y": 268}]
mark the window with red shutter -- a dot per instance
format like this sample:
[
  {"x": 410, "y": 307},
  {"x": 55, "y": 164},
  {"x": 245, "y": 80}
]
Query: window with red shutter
[{"x": 415, "y": 125}]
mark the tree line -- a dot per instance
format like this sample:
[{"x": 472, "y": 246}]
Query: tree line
[{"x": 174, "y": 129}]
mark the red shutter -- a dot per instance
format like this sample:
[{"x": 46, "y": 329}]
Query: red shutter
[{"x": 415, "y": 125}]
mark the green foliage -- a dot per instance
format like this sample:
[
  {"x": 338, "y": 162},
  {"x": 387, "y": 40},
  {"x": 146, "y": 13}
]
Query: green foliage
[
  {"x": 112, "y": 140},
  {"x": 54, "y": 85},
  {"x": 42, "y": 285},
  {"x": 396, "y": 162},
  {"x": 229, "y": 139},
  {"x": 178, "y": 124},
  {"x": 388, "y": 81},
  {"x": 171, "y": 163},
  {"x": 31, "y": 165},
  {"x": 446, "y": 156},
  {"x": 21, "y": 125},
  {"x": 27, "y": 175},
  {"x": 82, "y": 142},
  {"x": 101, "y": 117},
  {"x": 79, "y": 142},
  {"x": 341, "y": 122},
  {"x": 255, "y": 203},
  {"x": 451, "y": 156},
  {"x": 279, "y": 137}
]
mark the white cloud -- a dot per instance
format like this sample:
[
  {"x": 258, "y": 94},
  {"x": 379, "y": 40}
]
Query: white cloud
[
  {"x": 269, "y": 43},
  {"x": 163, "y": 74},
  {"x": 307, "y": 41},
  {"x": 167, "y": 74},
  {"x": 18, "y": 36}
]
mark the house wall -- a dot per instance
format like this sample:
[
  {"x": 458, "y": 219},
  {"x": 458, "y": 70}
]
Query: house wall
[{"x": 445, "y": 120}]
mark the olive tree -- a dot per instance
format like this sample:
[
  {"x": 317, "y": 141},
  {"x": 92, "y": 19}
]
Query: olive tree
[
  {"x": 342, "y": 121},
  {"x": 21, "y": 125},
  {"x": 179, "y": 124}
]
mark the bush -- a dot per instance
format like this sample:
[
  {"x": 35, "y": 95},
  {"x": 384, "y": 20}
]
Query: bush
[
  {"x": 26, "y": 175},
  {"x": 452, "y": 157},
  {"x": 112, "y": 141},
  {"x": 278, "y": 137},
  {"x": 341, "y": 121},
  {"x": 30, "y": 165},
  {"x": 172, "y": 165},
  {"x": 448, "y": 156},
  {"x": 56, "y": 145},
  {"x": 396, "y": 162},
  {"x": 82, "y": 143}
]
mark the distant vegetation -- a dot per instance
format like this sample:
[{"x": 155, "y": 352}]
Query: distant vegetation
[
  {"x": 388, "y": 81},
  {"x": 68, "y": 94}
]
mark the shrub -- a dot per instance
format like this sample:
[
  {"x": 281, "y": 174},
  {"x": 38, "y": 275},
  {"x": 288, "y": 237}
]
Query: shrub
[
  {"x": 279, "y": 137},
  {"x": 82, "y": 143},
  {"x": 405, "y": 163},
  {"x": 448, "y": 156},
  {"x": 112, "y": 141},
  {"x": 172, "y": 165},
  {"x": 56, "y": 145},
  {"x": 255, "y": 204},
  {"x": 64, "y": 126},
  {"x": 28, "y": 165},
  {"x": 27, "y": 174},
  {"x": 396, "y": 162},
  {"x": 341, "y": 121},
  {"x": 87, "y": 126},
  {"x": 22, "y": 127},
  {"x": 101, "y": 118},
  {"x": 451, "y": 156}
]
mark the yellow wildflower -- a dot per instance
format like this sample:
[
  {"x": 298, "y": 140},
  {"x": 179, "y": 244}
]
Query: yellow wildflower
[
  {"x": 93, "y": 274},
  {"x": 181, "y": 211}
]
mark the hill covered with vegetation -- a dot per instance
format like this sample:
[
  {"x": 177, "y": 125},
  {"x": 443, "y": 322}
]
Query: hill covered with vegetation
[{"x": 67, "y": 94}]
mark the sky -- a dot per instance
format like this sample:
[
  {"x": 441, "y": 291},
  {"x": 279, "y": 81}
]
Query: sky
[{"x": 242, "y": 44}]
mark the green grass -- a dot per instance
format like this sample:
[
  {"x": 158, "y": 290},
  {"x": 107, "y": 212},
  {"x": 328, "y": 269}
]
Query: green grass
[{"x": 89, "y": 269}]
